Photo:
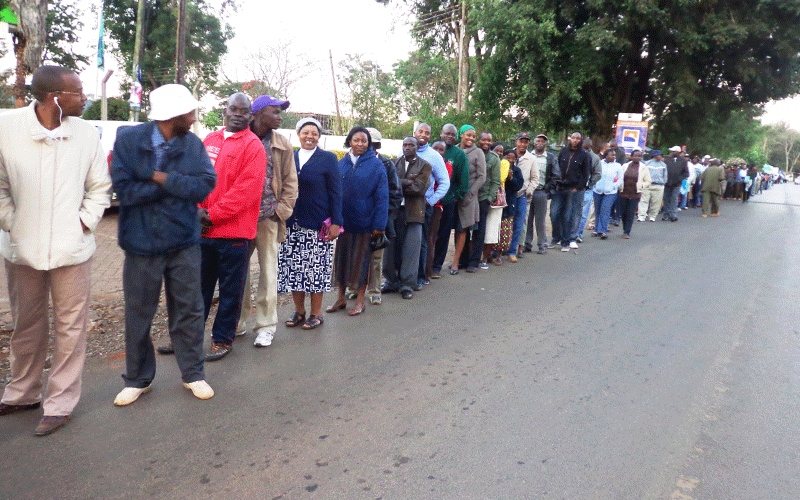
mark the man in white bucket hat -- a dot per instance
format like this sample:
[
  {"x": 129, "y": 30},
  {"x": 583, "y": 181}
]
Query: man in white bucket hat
[{"x": 161, "y": 171}]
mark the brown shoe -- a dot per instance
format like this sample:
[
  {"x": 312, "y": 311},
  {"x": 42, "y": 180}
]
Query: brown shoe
[
  {"x": 50, "y": 424},
  {"x": 512, "y": 258},
  {"x": 6, "y": 409},
  {"x": 218, "y": 351}
]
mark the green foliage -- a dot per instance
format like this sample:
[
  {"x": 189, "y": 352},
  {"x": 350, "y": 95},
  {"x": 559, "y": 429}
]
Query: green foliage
[
  {"x": 372, "y": 92},
  {"x": 782, "y": 147},
  {"x": 427, "y": 83},
  {"x": 212, "y": 120},
  {"x": 118, "y": 109},
  {"x": 206, "y": 41},
  {"x": 63, "y": 27}
]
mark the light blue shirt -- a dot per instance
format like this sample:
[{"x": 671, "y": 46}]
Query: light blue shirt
[
  {"x": 438, "y": 174},
  {"x": 611, "y": 179}
]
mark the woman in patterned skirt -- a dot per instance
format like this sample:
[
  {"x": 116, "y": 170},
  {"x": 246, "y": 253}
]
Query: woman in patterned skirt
[{"x": 306, "y": 256}]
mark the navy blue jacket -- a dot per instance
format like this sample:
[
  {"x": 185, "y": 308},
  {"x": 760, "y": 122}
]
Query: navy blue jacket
[
  {"x": 365, "y": 193},
  {"x": 319, "y": 193},
  {"x": 153, "y": 219},
  {"x": 514, "y": 183}
]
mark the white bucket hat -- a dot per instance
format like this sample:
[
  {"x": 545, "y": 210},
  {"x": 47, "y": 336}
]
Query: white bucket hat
[{"x": 171, "y": 100}]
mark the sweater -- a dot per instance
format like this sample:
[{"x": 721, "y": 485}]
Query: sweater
[
  {"x": 610, "y": 179},
  {"x": 319, "y": 192},
  {"x": 240, "y": 163},
  {"x": 153, "y": 219},
  {"x": 365, "y": 193},
  {"x": 47, "y": 188},
  {"x": 440, "y": 178}
]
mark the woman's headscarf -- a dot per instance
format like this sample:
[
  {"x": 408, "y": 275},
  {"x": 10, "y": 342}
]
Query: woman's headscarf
[
  {"x": 305, "y": 121},
  {"x": 463, "y": 129}
]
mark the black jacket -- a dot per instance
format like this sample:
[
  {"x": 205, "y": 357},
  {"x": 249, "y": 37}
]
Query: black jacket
[
  {"x": 677, "y": 170},
  {"x": 514, "y": 183},
  {"x": 575, "y": 171},
  {"x": 395, "y": 193}
]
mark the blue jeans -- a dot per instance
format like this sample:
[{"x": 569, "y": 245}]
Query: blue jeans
[
  {"x": 602, "y": 207},
  {"x": 520, "y": 209},
  {"x": 588, "y": 197},
  {"x": 562, "y": 214},
  {"x": 225, "y": 261}
]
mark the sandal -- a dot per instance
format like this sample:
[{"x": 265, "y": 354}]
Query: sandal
[
  {"x": 296, "y": 319},
  {"x": 375, "y": 300},
  {"x": 356, "y": 310},
  {"x": 350, "y": 295},
  {"x": 453, "y": 272},
  {"x": 312, "y": 322},
  {"x": 337, "y": 306}
]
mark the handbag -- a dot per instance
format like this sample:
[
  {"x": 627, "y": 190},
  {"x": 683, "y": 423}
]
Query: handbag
[
  {"x": 500, "y": 198},
  {"x": 323, "y": 231},
  {"x": 378, "y": 243}
]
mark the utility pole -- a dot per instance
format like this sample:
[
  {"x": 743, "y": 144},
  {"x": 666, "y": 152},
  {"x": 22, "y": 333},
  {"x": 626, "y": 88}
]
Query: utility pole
[
  {"x": 180, "y": 43},
  {"x": 463, "y": 61},
  {"x": 335, "y": 96},
  {"x": 137, "y": 51},
  {"x": 104, "y": 102}
]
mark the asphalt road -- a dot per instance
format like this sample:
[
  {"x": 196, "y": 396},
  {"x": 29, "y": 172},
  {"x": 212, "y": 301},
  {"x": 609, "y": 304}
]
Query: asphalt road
[{"x": 660, "y": 367}]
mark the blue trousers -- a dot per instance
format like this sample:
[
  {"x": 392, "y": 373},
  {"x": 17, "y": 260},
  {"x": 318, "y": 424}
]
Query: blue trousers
[
  {"x": 520, "y": 210},
  {"x": 225, "y": 261},
  {"x": 602, "y": 207},
  {"x": 562, "y": 214}
]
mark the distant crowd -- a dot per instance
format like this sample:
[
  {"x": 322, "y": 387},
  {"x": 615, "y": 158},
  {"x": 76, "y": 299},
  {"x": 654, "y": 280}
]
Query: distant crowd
[{"x": 193, "y": 213}]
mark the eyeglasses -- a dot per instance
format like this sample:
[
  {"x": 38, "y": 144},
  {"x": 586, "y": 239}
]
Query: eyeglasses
[{"x": 65, "y": 92}]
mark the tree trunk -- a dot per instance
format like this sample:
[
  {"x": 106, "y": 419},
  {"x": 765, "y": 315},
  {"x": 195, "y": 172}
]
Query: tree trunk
[
  {"x": 463, "y": 61},
  {"x": 21, "y": 71}
]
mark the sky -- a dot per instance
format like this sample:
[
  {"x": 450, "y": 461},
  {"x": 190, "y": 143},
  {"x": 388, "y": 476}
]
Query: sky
[{"x": 380, "y": 33}]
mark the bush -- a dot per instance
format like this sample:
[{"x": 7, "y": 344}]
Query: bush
[{"x": 118, "y": 110}]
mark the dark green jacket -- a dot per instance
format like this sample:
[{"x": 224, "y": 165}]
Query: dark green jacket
[
  {"x": 488, "y": 191},
  {"x": 459, "y": 181}
]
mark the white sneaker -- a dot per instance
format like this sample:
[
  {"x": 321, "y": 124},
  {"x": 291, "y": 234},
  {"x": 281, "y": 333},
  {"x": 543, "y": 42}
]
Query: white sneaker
[
  {"x": 264, "y": 338},
  {"x": 652, "y": 219},
  {"x": 640, "y": 220},
  {"x": 565, "y": 249},
  {"x": 573, "y": 244},
  {"x": 130, "y": 394},
  {"x": 200, "y": 389},
  {"x": 240, "y": 333}
]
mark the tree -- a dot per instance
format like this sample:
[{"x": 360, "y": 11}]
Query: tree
[
  {"x": 29, "y": 41},
  {"x": 118, "y": 110},
  {"x": 427, "y": 83},
  {"x": 783, "y": 147},
  {"x": 372, "y": 92},
  {"x": 593, "y": 59},
  {"x": 205, "y": 45},
  {"x": 63, "y": 26},
  {"x": 278, "y": 67}
]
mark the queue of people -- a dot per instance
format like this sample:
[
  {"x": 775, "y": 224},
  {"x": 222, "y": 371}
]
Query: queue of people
[{"x": 192, "y": 214}]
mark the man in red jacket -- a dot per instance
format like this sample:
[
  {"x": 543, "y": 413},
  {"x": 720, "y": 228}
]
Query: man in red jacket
[{"x": 229, "y": 217}]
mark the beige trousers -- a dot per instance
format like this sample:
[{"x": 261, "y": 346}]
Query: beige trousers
[
  {"x": 650, "y": 203},
  {"x": 69, "y": 287},
  {"x": 266, "y": 244}
]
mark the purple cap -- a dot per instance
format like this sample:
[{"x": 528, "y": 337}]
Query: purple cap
[{"x": 263, "y": 101}]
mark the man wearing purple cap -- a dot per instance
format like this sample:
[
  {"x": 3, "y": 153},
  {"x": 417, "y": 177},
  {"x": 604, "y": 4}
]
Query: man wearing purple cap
[{"x": 277, "y": 204}]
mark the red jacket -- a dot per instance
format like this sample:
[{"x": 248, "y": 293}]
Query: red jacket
[{"x": 233, "y": 205}]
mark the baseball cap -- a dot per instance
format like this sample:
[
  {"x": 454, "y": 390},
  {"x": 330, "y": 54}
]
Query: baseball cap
[
  {"x": 523, "y": 135},
  {"x": 169, "y": 101},
  {"x": 263, "y": 101}
]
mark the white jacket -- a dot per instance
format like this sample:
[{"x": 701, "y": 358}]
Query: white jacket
[{"x": 47, "y": 187}]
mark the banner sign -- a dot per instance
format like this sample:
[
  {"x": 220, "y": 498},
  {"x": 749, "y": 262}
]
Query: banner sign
[{"x": 631, "y": 134}]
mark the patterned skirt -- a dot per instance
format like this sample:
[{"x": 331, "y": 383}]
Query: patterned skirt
[
  {"x": 506, "y": 230},
  {"x": 304, "y": 262}
]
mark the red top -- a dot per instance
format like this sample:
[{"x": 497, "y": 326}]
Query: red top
[{"x": 240, "y": 163}]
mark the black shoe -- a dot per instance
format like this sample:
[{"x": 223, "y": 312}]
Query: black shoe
[
  {"x": 218, "y": 351},
  {"x": 664, "y": 218},
  {"x": 420, "y": 284},
  {"x": 407, "y": 294},
  {"x": 472, "y": 269},
  {"x": 165, "y": 349},
  {"x": 578, "y": 240},
  {"x": 542, "y": 251},
  {"x": 7, "y": 409},
  {"x": 527, "y": 250},
  {"x": 674, "y": 219},
  {"x": 387, "y": 288}
]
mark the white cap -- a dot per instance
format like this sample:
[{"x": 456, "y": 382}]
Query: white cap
[
  {"x": 376, "y": 136},
  {"x": 676, "y": 149},
  {"x": 171, "y": 100}
]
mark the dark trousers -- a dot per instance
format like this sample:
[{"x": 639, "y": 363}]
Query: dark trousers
[
  {"x": 697, "y": 195},
  {"x": 536, "y": 215},
  {"x": 671, "y": 195},
  {"x": 401, "y": 258},
  {"x": 475, "y": 239},
  {"x": 433, "y": 236},
  {"x": 562, "y": 211},
  {"x": 627, "y": 212},
  {"x": 141, "y": 283},
  {"x": 224, "y": 261},
  {"x": 446, "y": 226},
  {"x": 423, "y": 251},
  {"x": 615, "y": 210}
]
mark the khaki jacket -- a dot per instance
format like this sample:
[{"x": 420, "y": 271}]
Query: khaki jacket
[
  {"x": 419, "y": 173},
  {"x": 284, "y": 180},
  {"x": 644, "y": 180}
]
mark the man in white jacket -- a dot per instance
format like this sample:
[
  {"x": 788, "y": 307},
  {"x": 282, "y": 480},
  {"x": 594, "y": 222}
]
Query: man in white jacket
[{"x": 54, "y": 188}]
